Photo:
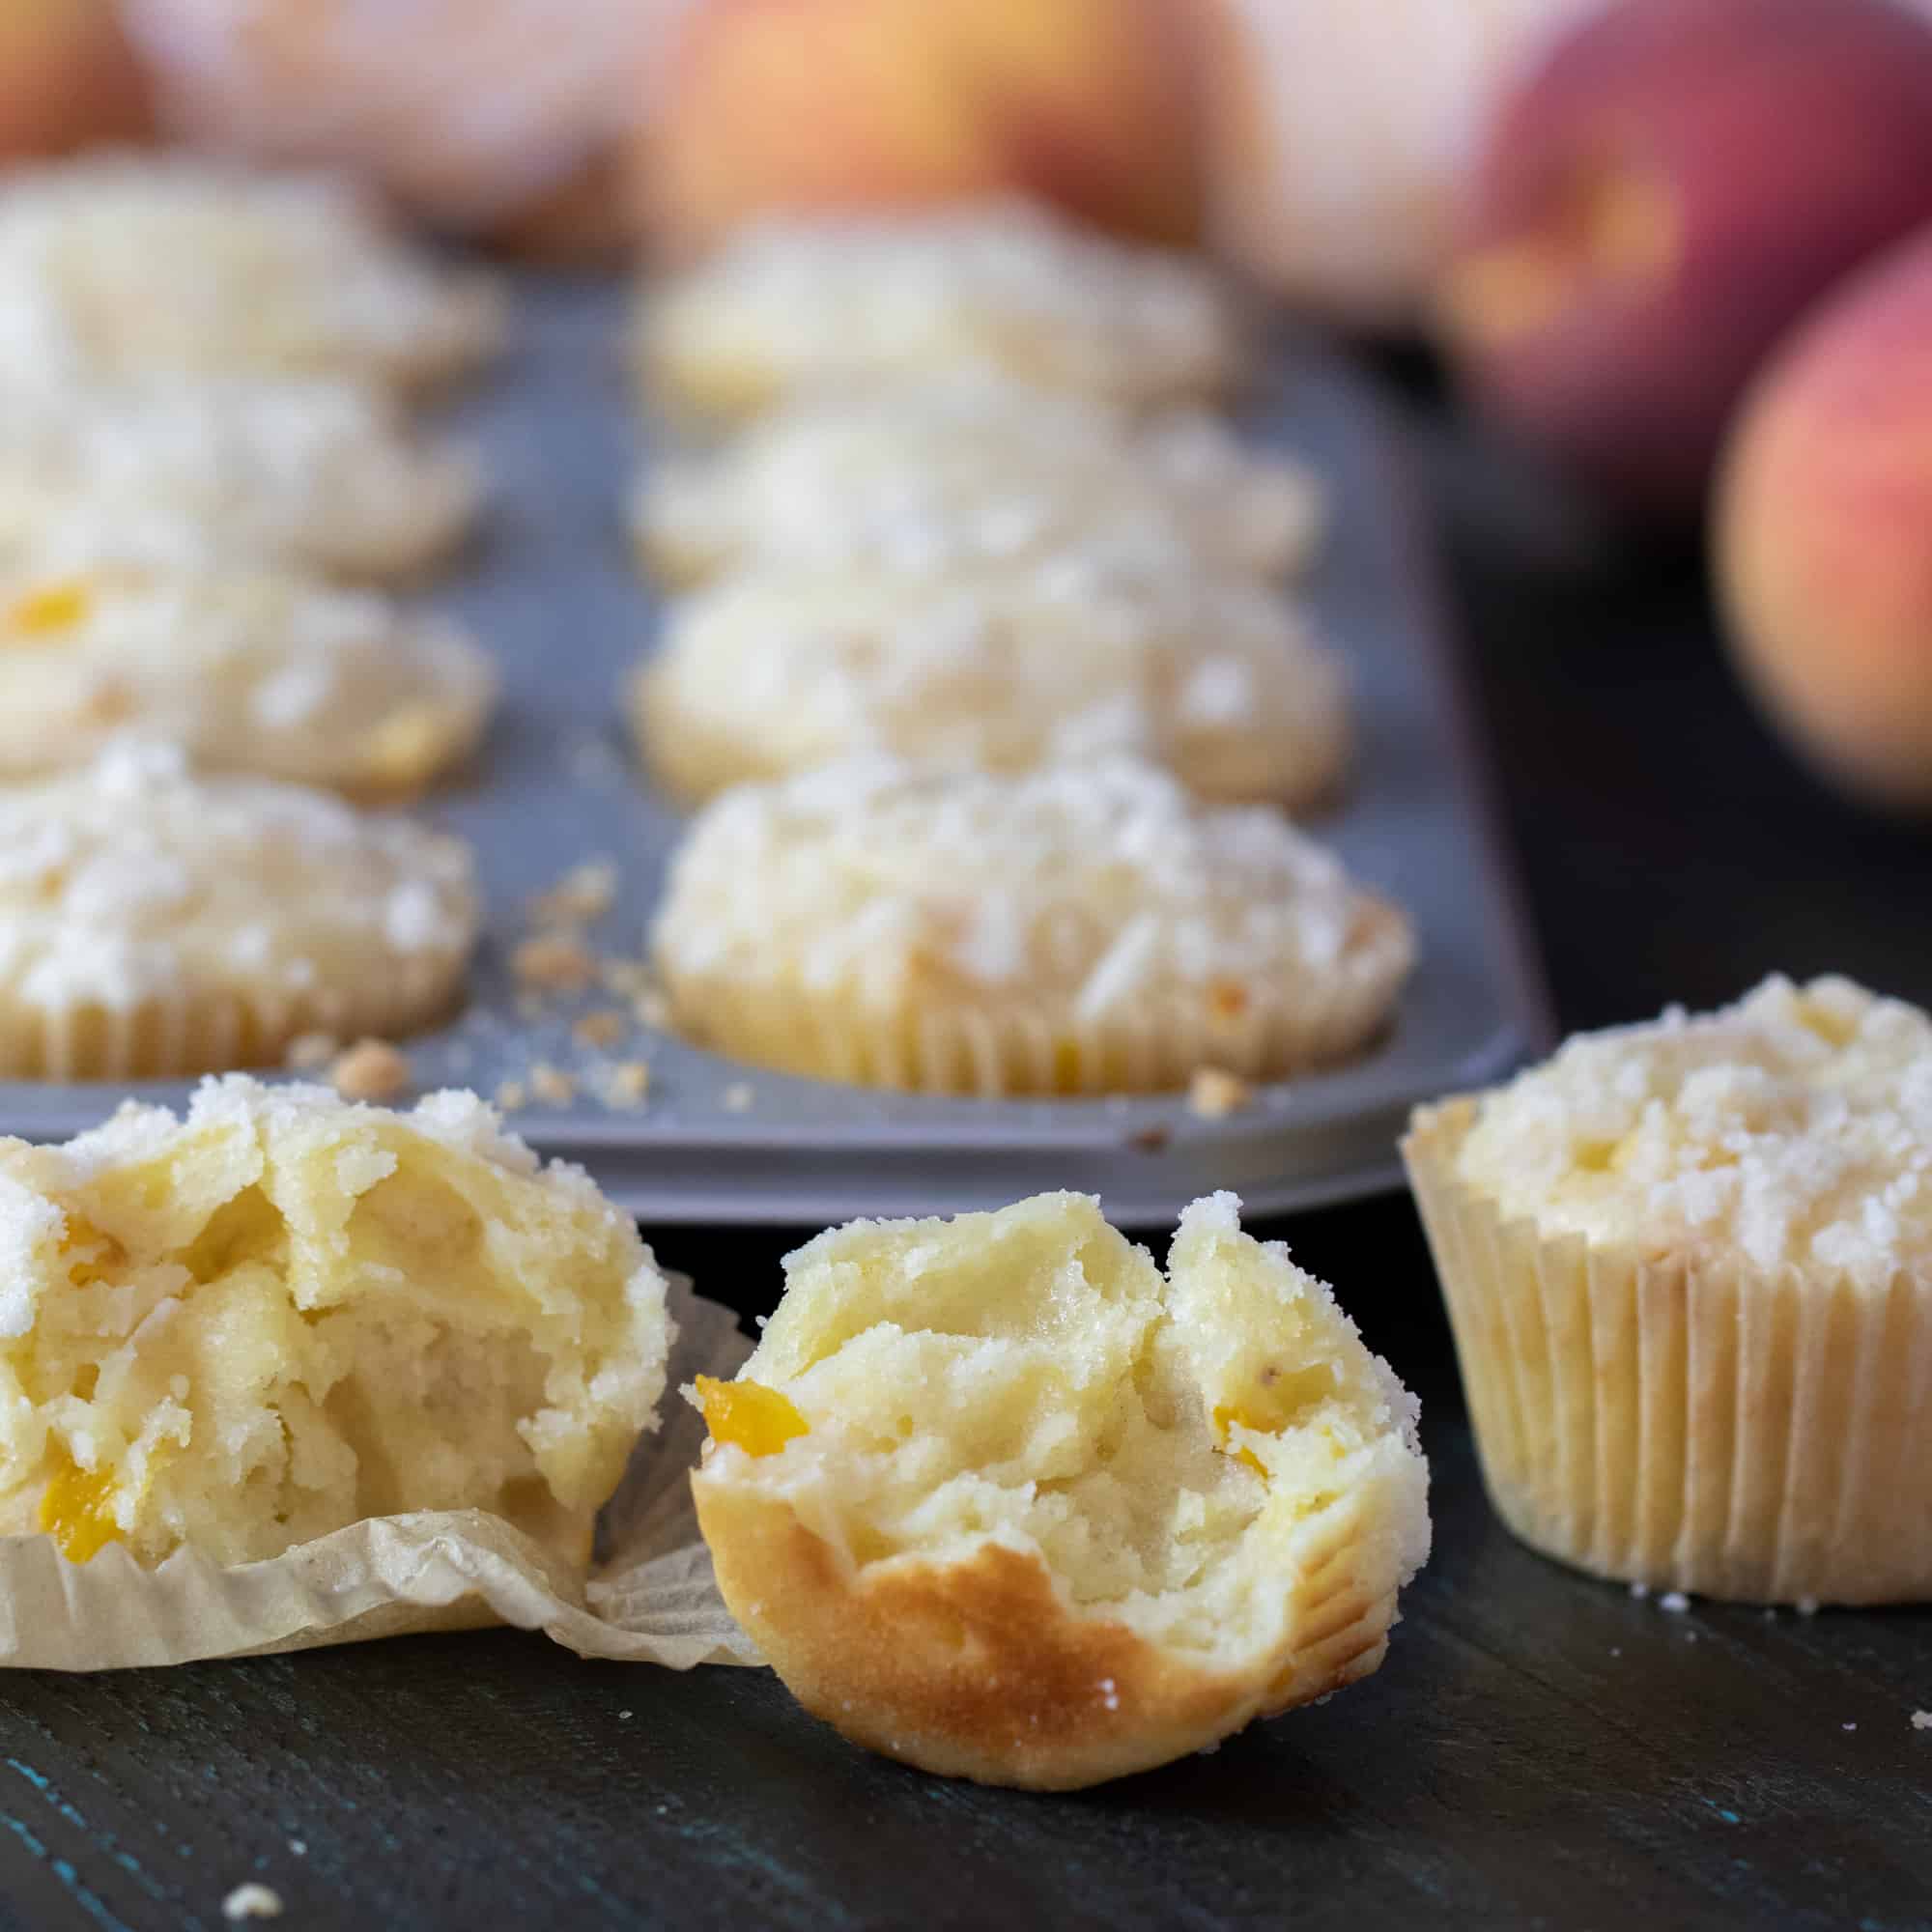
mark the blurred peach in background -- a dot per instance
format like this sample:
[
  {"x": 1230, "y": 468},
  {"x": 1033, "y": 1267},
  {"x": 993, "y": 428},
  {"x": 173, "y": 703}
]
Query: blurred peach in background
[
  {"x": 67, "y": 77},
  {"x": 766, "y": 104}
]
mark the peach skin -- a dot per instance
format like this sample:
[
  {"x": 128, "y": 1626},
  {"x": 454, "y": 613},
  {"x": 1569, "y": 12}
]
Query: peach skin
[
  {"x": 67, "y": 77},
  {"x": 1674, "y": 184},
  {"x": 1823, "y": 533},
  {"x": 802, "y": 104}
]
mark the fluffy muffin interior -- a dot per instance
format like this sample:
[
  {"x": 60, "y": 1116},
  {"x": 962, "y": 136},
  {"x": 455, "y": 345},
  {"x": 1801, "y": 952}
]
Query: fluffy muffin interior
[
  {"x": 283, "y": 1315},
  {"x": 1031, "y": 1378}
]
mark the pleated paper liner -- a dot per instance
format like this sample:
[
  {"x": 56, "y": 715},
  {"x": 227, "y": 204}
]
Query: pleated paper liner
[
  {"x": 649, "y": 1598},
  {"x": 211, "y": 1028},
  {"x": 1022, "y": 1047},
  {"x": 1690, "y": 1424}
]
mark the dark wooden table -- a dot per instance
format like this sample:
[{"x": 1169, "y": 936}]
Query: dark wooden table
[{"x": 1539, "y": 1749}]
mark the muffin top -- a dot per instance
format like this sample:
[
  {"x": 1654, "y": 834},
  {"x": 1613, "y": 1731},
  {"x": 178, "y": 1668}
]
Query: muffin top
[
  {"x": 966, "y": 471},
  {"x": 134, "y": 878},
  {"x": 1101, "y": 886},
  {"x": 1793, "y": 1128},
  {"x": 247, "y": 671},
  {"x": 123, "y": 263},
  {"x": 999, "y": 285},
  {"x": 766, "y": 673},
  {"x": 312, "y": 470}
]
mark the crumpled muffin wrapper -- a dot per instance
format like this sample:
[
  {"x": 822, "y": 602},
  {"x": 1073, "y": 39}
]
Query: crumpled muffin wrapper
[{"x": 649, "y": 1598}]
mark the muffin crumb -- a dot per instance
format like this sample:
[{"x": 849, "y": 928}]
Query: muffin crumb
[
  {"x": 1921, "y": 1720},
  {"x": 1213, "y": 1093},
  {"x": 554, "y": 963},
  {"x": 603, "y": 1027},
  {"x": 372, "y": 1069},
  {"x": 510, "y": 1096},
  {"x": 737, "y": 1098},
  {"x": 552, "y": 1084},
  {"x": 251, "y": 1902},
  {"x": 583, "y": 894},
  {"x": 626, "y": 1084}
]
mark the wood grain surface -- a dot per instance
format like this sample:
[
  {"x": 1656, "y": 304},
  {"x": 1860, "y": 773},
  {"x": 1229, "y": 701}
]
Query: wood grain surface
[{"x": 1539, "y": 1750}]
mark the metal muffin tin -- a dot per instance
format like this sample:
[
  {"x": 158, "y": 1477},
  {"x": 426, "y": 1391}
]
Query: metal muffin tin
[{"x": 550, "y": 590}]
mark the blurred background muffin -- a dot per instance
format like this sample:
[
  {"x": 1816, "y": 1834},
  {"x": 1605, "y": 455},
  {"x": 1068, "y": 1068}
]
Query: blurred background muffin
[{"x": 502, "y": 118}]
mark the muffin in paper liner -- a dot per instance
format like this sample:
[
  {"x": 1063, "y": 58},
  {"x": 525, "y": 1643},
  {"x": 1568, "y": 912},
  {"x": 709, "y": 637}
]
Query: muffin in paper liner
[
  {"x": 776, "y": 671},
  {"x": 137, "y": 265},
  {"x": 201, "y": 1029},
  {"x": 1687, "y": 1422},
  {"x": 244, "y": 669},
  {"x": 177, "y": 473},
  {"x": 1079, "y": 930},
  {"x": 978, "y": 473},
  {"x": 157, "y": 922},
  {"x": 650, "y": 1599},
  {"x": 1003, "y": 286},
  {"x": 939, "y": 1041}
]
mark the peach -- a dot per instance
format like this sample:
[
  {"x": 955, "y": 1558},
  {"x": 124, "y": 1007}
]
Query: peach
[
  {"x": 764, "y": 105},
  {"x": 1667, "y": 191},
  {"x": 1823, "y": 532},
  {"x": 67, "y": 77}
]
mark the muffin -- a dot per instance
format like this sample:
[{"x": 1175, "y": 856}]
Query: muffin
[
  {"x": 240, "y": 1330},
  {"x": 310, "y": 473},
  {"x": 1688, "y": 1268},
  {"x": 1076, "y": 930},
  {"x": 763, "y": 676},
  {"x": 966, "y": 472},
  {"x": 245, "y": 671},
  {"x": 154, "y": 923},
  {"x": 1004, "y": 287},
  {"x": 996, "y": 1497},
  {"x": 500, "y": 118},
  {"x": 128, "y": 264}
]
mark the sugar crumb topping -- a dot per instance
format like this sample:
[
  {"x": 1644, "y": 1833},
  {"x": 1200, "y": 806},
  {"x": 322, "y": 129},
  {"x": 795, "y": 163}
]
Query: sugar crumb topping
[
  {"x": 1793, "y": 1127},
  {"x": 137, "y": 876},
  {"x": 1091, "y": 882},
  {"x": 979, "y": 279},
  {"x": 1220, "y": 680}
]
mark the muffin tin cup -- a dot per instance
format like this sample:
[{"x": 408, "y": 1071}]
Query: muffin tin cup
[
  {"x": 552, "y": 593},
  {"x": 1683, "y": 1422}
]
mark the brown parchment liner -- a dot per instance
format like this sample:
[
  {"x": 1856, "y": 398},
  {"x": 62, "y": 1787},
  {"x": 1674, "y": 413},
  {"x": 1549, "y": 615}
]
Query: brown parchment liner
[
  {"x": 649, "y": 1598},
  {"x": 1684, "y": 1420}
]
